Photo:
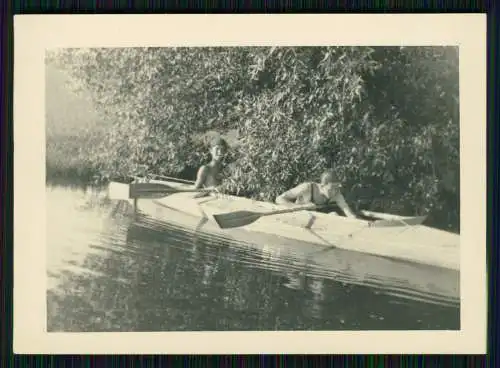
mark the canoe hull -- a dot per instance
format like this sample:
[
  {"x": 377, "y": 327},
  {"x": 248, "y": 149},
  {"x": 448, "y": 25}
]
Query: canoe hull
[{"x": 417, "y": 259}]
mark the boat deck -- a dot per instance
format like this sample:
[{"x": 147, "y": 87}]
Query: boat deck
[
  {"x": 416, "y": 243},
  {"x": 417, "y": 258}
]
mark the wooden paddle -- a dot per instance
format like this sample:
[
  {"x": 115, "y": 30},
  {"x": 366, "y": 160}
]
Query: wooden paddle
[
  {"x": 118, "y": 191},
  {"x": 170, "y": 178},
  {"x": 243, "y": 218},
  {"x": 159, "y": 190}
]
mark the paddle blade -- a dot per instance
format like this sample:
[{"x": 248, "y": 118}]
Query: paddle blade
[
  {"x": 151, "y": 190},
  {"x": 236, "y": 219},
  {"x": 118, "y": 191}
]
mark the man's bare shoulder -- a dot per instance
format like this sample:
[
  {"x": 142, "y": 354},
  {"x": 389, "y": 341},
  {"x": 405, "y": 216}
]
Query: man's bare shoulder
[
  {"x": 302, "y": 187},
  {"x": 203, "y": 169}
]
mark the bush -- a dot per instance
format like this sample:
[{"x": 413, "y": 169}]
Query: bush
[{"x": 386, "y": 118}]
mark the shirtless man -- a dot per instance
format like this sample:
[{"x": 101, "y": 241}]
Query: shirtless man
[{"x": 209, "y": 175}]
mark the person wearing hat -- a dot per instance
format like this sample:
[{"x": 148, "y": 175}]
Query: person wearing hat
[
  {"x": 209, "y": 175},
  {"x": 322, "y": 193}
]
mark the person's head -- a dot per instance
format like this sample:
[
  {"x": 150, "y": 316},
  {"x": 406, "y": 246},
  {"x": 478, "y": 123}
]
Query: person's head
[
  {"x": 330, "y": 183},
  {"x": 218, "y": 148}
]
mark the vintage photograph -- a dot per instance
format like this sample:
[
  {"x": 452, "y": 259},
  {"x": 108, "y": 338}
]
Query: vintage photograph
[{"x": 252, "y": 188}]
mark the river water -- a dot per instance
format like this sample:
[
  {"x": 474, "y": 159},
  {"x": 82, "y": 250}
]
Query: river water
[{"x": 109, "y": 272}]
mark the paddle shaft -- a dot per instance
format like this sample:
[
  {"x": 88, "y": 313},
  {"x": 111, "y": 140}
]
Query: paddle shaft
[
  {"x": 243, "y": 218},
  {"x": 288, "y": 210},
  {"x": 173, "y": 179},
  {"x": 169, "y": 191},
  {"x": 149, "y": 175},
  {"x": 159, "y": 190}
]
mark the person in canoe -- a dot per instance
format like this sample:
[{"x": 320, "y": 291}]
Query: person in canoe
[
  {"x": 209, "y": 175},
  {"x": 323, "y": 193}
]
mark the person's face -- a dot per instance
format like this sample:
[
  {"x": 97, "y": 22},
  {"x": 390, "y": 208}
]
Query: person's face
[
  {"x": 330, "y": 188},
  {"x": 217, "y": 152}
]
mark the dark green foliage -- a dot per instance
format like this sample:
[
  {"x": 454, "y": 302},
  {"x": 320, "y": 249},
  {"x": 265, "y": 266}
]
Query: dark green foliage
[{"x": 385, "y": 118}]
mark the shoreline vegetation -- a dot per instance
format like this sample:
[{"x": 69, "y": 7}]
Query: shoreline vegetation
[{"x": 385, "y": 118}]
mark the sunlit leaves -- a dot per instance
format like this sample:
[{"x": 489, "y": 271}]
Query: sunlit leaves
[{"x": 385, "y": 118}]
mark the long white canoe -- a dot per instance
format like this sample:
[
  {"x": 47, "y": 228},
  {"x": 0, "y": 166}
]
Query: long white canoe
[{"x": 428, "y": 259}]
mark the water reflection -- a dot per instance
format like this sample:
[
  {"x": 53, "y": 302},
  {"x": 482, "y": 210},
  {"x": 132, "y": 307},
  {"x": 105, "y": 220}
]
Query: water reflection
[{"x": 109, "y": 273}]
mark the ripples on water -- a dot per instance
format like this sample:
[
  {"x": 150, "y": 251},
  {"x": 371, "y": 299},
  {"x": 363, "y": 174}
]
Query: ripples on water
[{"x": 109, "y": 273}]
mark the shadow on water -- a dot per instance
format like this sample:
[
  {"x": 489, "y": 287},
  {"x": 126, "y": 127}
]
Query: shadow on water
[{"x": 108, "y": 273}]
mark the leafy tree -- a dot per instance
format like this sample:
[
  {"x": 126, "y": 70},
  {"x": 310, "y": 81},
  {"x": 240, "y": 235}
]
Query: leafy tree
[
  {"x": 415, "y": 99},
  {"x": 386, "y": 118}
]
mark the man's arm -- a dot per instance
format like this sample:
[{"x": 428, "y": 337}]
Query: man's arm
[
  {"x": 201, "y": 177},
  {"x": 341, "y": 202},
  {"x": 290, "y": 196}
]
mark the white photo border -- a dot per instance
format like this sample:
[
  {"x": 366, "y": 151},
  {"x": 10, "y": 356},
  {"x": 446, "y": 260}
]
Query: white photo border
[{"x": 34, "y": 34}]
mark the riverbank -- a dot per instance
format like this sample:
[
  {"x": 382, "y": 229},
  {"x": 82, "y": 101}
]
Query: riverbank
[
  {"x": 74, "y": 129},
  {"x": 66, "y": 159}
]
